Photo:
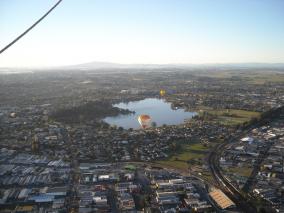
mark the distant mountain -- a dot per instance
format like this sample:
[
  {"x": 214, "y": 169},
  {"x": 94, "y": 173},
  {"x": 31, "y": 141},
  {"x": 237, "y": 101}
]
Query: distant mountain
[
  {"x": 112, "y": 66},
  {"x": 106, "y": 65}
]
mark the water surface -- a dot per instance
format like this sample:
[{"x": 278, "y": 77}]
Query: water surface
[{"x": 159, "y": 111}]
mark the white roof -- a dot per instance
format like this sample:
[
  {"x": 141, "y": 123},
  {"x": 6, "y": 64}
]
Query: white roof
[
  {"x": 247, "y": 139},
  {"x": 239, "y": 148},
  {"x": 99, "y": 199},
  {"x": 104, "y": 177}
]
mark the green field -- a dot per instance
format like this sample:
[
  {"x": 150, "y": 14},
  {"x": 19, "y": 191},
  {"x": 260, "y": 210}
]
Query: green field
[
  {"x": 229, "y": 116},
  {"x": 190, "y": 154}
]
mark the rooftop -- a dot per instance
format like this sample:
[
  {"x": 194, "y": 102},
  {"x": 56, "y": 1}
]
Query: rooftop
[{"x": 221, "y": 199}]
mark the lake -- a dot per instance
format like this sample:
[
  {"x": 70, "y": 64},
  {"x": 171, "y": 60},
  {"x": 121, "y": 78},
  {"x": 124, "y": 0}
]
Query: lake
[{"x": 159, "y": 111}]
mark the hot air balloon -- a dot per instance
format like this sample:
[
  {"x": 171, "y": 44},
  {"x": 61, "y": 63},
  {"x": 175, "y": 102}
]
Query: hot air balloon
[
  {"x": 162, "y": 92},
  {"x": 144, "y": 121}
]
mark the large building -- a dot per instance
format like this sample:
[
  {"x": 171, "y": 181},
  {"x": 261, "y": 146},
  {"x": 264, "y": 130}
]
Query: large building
[{"x": 221, "y": 199}]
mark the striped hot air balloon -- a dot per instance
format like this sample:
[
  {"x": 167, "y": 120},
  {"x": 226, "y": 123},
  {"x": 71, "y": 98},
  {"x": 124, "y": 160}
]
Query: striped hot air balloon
[{"x": 144, "y": 121}]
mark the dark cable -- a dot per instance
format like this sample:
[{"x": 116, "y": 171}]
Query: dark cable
[{"x": 31, "y": 27}]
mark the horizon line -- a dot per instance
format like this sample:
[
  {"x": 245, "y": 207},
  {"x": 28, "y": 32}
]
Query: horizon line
[{"x": 140, "y": 64}]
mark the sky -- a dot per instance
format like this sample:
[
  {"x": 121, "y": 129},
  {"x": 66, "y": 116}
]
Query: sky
[{"x": 142, "y": 31}]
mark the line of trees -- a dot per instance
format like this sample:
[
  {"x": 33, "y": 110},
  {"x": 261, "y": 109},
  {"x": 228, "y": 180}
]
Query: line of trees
[{"x": 93, "y": 110}]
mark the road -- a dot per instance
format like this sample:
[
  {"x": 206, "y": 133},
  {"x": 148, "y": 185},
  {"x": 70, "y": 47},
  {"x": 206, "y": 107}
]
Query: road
[{"x": 231, "y": 191}]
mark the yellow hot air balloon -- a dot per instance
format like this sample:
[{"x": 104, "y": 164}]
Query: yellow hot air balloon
[
  {"x": 144, "y": 121},
  {"x": 162, "y": 92}
]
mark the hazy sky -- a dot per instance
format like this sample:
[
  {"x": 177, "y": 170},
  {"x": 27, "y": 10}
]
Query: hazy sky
[{"x": 143, "y": 31}]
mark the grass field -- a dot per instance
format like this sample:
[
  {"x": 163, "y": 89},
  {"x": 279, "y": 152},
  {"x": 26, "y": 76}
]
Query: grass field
[
  {"x": 231, "y": 116},
  {"x": 242, "y": 171},
  {"x": 190, "y": 154},
  {"x": 266, "y": 77},
  {"x": 253, "y": 77}
]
